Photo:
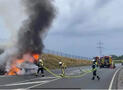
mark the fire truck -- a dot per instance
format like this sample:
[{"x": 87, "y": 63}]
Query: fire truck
[{"x": 105, "y": 61}]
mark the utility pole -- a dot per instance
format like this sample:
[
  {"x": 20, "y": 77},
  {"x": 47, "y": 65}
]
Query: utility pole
[{"x": 100, "y": 47}]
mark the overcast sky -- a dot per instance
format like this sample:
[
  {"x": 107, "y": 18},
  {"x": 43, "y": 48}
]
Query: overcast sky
[{"x": 78, "y": 27}]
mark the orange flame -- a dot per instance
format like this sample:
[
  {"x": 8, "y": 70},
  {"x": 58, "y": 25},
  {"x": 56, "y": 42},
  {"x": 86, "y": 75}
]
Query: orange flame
[
  {"x": 36, "y": 57},
  {"x": 15, "y": 70}
]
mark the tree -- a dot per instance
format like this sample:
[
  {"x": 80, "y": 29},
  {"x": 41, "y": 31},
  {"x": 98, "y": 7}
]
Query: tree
[{"x": 114, "y": 57}]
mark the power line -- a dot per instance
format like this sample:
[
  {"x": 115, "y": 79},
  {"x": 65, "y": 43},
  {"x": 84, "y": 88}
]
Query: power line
[
  {"x": 100, "y": 47},
  {"x": 114, "y": 49}
]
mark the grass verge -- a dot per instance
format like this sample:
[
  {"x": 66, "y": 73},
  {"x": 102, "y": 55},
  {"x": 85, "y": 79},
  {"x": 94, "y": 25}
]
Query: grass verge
[{"x": 51, "y": 61}]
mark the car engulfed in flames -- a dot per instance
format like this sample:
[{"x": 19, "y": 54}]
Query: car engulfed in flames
[{"x": 16, "y": 66}]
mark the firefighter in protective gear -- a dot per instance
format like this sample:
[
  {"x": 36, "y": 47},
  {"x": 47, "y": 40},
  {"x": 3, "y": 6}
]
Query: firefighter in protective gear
[
  {"x": 94, "y": 68},
  {"x": 40, "y": 67},
  {"x": 62, "y": 67}
]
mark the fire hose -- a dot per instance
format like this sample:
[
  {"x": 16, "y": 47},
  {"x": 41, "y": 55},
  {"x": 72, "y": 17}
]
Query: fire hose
[{"x": 68, "y": 76}]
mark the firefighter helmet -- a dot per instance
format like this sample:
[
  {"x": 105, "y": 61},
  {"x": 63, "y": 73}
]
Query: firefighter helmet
[
  {"x": 60, "y": 63},
  {"x": 93, "y": 60},
  {"x": 40, "y": 60}
]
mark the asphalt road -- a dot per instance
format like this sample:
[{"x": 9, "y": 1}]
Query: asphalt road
[{"x": 51, "y": 82}]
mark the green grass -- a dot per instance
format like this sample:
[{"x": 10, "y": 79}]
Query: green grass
[
  {"x": 117, "y": 61},
  {"x": 51, "y": 61}
]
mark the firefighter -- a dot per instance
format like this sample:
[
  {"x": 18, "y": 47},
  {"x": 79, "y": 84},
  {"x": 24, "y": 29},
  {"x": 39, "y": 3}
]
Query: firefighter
[
  {"x": 62, "y": 67},
  {"x": 94, "y": 68},
  {"x": 40, "y": 67}
]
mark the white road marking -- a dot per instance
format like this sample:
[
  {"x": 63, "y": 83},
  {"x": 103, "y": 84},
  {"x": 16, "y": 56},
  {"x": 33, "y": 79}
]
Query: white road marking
[
  {"x": 47, "y": 77},
  {"x": 30, "y": 80},
  {"x": 5, "y": 76},
  {"x": 36, "y": 79},
  {"x": 40, "y": 84},
  {"x": 111, "y": 83},
  {"x": 26, "y": 83}
]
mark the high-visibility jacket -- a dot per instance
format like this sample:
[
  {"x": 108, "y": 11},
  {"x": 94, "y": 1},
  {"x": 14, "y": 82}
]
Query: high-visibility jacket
[
  {"x": 41, "y": 64},
  {"x": 94, "y": 67},
  {"x": 63, "y": 66}
]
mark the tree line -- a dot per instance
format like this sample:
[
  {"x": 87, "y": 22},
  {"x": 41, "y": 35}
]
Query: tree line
[{"x": 115, "y": 57}]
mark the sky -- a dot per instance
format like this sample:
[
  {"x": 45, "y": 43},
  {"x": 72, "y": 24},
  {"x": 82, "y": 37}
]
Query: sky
[{"x": 78, "y": 27}]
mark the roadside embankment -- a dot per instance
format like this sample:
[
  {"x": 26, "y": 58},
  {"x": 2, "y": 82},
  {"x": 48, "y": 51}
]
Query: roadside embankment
[{"x": 51, "y": 61}]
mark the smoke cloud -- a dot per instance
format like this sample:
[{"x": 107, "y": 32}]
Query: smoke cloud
[{"x": 40, "y": 16}]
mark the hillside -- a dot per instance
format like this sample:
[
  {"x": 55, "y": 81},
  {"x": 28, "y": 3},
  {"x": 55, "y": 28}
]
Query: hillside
[{"x": 51, "y": 61}]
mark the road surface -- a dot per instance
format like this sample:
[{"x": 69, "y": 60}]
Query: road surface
[{"x": 51, "y": 82}]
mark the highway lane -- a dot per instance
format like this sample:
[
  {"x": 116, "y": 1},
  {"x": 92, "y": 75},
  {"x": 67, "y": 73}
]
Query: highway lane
[
  {"x": 85, "y": 82},
  {"x": 48, "y": 82}
]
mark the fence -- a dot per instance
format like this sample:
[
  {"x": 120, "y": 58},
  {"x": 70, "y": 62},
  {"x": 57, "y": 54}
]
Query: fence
[{"x": 48, "y": 51}]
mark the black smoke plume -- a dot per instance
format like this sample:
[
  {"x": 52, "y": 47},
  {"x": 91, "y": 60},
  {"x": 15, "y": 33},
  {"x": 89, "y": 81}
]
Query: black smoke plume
[{"x": 40, "y": 16}]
